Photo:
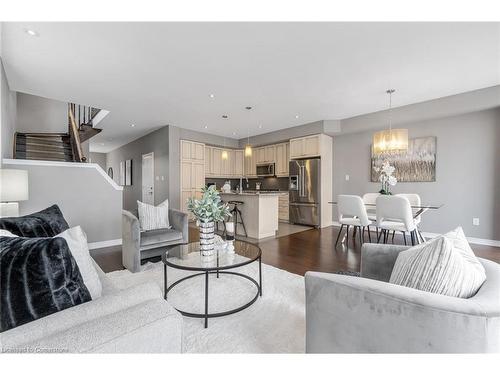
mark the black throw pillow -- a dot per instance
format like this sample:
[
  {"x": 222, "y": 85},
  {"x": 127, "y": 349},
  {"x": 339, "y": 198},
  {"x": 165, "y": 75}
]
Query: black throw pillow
[
  {"x": 46, "y": 223},
  {"x": 38, "y": 277}
]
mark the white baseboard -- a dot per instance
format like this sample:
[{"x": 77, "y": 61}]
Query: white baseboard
[
  {"x": 474, "y": 240},
  {"x": 101, "y": 244}
]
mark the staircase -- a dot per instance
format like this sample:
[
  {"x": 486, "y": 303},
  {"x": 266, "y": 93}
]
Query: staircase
[
  {"x": 43, "y": 146},
  {"x": 59, "y": 146}
]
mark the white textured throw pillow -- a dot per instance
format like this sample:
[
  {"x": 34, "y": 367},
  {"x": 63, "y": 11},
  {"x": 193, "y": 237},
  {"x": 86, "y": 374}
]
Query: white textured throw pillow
[
  {"x": 77, "y": 243},
  {"x": 151, "y": 217},
  {"x": 445, "y": 265}
]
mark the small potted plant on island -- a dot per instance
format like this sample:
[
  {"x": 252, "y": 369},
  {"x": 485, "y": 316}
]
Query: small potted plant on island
[
  {"x": 386, "y": 177},
  {"x": 208, "y": 210}
]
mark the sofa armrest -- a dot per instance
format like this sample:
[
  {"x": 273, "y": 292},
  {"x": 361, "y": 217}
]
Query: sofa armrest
[
  {"x": 131, "y": 242},
  {"x": 377, "y": 260},
  {"x": 179, "y": 221},
  {"x": 346, "y": 314},
  {"x": 77, "y": 315}
]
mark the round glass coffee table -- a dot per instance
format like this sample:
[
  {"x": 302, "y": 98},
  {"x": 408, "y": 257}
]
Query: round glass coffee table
[{"x": 221, "y": 263}]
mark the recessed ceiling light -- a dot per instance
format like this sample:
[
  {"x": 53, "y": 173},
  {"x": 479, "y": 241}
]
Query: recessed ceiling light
[
  {"x": 132, "y": 125},
  {"x": 234, "y": 133},
  {"x": 102, "y": 144},
  {"x": 212, "y": 96},
  {"x": 206, "y": 126},
  {"x": 260, "y": 126},
  {"x": 296, "y": 116},
  {"x": 31, "y": 32},
  {"x": 225, "y": 116}
]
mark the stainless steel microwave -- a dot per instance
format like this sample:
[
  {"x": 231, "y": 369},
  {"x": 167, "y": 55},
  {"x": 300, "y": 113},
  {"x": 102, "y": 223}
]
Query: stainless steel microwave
[{"x": 264, "y": 170}]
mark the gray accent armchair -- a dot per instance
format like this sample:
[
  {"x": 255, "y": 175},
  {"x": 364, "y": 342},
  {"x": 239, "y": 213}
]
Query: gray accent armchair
[
  {"x": 346, "y": 314},
  {"x": 137, "y": 245}
]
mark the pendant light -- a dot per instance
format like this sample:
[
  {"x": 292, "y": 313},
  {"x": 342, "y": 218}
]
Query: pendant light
[
  {"x": 248, "y": 147},
  {"x": 390, "y": 140},
  {"x": 224, "y": 154}
]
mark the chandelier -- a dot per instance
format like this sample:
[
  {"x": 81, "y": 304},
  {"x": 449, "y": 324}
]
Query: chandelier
[{"x": 390, "y": 140}]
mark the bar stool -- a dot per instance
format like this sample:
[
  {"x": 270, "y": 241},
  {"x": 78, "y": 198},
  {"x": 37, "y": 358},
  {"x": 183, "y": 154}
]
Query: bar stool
[
  {"x": 223, "y": 223},
  {"x": 236, "y": 212}
]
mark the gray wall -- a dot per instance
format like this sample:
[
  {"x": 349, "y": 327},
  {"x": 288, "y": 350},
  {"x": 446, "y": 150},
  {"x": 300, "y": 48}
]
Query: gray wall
[
  {"x": 157, "y": 142},
  {"x": 165, "y": 143},
  {"x": 285, "y": 134},
  {"x": 37, "y": 114},
  {"x": 8, "y": 101},
  {"x": 467, "y": 171},
  {"x": 85, "y": 197},
  {"x": 98, "y": 158}
]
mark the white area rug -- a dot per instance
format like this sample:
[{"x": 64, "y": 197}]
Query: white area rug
[{"x": 275, "y": 323}]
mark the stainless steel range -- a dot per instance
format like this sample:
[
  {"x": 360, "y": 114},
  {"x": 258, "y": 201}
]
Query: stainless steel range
[{"x": 304, "y": 191}]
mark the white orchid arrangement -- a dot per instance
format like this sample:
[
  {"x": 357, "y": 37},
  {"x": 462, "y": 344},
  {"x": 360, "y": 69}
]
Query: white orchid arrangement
[
  {"x": 210, "y": 207},
  {"x": 386, "y": 177}
]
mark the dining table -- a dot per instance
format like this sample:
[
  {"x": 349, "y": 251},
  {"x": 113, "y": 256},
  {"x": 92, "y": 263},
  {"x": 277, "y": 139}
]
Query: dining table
[{"x": 417, "y": 211}]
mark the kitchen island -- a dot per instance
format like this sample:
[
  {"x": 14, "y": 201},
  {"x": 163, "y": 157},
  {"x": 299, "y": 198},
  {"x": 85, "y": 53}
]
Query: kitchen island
[{"x": 259, "y": 211}]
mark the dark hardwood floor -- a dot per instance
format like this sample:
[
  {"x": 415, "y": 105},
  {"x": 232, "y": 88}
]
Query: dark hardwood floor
[{"x": 310, "y": 250}]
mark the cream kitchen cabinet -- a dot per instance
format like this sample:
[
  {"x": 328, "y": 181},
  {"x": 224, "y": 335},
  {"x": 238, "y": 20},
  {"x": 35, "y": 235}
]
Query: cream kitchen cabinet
[
  {"x": 192, "y": 180},
  {"x": 282, "y": 159},
  {"x": 217, "y": 168},
  {"x": 228, "y": 164},
  {"x": 192, "y": 151},
  {"x": 208, "y": 160},
  {"x": 260, "y": 155},
  {"x": 239, "y": 168},
  {"x": 250, "y": 165},
  {"x": 266, "y": 154},
  {"x": 305, "y": 147}
]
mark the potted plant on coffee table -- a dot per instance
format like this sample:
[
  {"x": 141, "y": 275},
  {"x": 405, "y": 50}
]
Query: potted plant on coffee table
[{"x": 208, "y": 210}]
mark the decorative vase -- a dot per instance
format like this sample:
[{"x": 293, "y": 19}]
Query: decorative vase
[{"x": 207, "y": 231}]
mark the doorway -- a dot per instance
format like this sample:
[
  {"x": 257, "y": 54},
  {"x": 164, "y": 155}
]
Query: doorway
[{"x": 148, "y": 178}]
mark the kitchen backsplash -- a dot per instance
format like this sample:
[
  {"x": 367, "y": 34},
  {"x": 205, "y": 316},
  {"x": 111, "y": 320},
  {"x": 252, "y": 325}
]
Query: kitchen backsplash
[{"x": 267, "y": 183}]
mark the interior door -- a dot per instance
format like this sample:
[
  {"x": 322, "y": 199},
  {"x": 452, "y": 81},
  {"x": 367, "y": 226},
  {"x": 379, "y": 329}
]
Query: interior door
[{"x": 148, "y": 178}]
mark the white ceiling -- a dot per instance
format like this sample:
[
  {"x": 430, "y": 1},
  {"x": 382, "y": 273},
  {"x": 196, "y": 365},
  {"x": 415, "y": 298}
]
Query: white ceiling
[{"x": 154, "y": 74}]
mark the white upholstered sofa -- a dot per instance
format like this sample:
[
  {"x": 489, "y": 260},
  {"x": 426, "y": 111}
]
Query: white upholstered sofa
[{"x": 134, "y": 320}]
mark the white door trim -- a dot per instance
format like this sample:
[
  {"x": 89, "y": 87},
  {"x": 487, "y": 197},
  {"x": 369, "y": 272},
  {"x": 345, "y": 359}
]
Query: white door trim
[{"x": 152, "y": 155}]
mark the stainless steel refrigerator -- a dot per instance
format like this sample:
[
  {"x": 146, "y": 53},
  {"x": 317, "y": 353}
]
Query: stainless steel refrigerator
[{"x": 304, "y": 191}]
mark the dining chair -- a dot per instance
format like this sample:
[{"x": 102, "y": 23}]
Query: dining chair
[
  {"x": 352, "y": 212},
  {"x": 394, "y": 214},
  {"x": 414, "y": 201},
  {"x": 371, "y": 199}
]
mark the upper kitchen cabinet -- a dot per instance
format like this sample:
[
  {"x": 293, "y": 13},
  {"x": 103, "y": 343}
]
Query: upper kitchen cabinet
[
  {"x": 266, "y": 154},
  {"x": 282, "y": 158},
  {"x": 208, "y": 160},
  {"x": 260, "y": 154},
  {"x": 239, "y": 169},
  {"x": 305, "y": 147},
  {"x": 270, "y": 154},
  {"x": 192, "y": 151},
  {"x": 217, "y": 168},
  {"x": 250, "y": 164}
]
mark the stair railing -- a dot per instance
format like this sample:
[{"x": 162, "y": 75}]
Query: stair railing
[{"x": 74, "y": 135}]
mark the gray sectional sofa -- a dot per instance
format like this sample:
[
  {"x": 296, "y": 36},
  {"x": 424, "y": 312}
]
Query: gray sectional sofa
[
  {"x": 346, "y": 314},
  {"x": 135, "y": 320}
]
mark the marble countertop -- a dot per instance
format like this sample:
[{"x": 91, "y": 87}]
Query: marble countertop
[{"x": 255, "y": 192}]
